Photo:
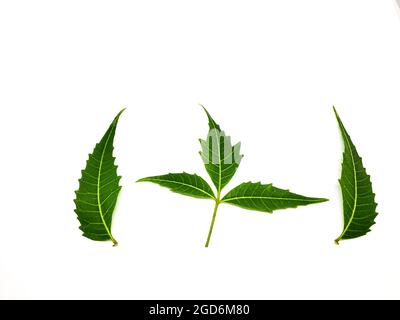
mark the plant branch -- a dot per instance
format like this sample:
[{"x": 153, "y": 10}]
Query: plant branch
[{"x": 217, "y": 202}]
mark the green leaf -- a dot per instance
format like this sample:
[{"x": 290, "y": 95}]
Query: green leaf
[
  {"x": 184, "y": 183},
  {"x": 220, "y": 158},
  {"x": 98, "y": 189},
  {"x": 266, "y": 197},
  {"x": 221, "y": 161},
  {"x": 359, "y": 207}
]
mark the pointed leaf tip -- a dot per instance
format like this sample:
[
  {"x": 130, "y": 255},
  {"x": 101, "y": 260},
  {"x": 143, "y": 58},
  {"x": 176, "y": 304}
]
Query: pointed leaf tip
[
  {"x": 118, "y": 115},
  {"x": 211, "y": 122},
  {"x": 336, "y": 114}
]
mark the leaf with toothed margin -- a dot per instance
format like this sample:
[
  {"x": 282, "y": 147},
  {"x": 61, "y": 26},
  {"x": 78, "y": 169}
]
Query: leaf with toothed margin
[
  {"x": 221, "y": 161},
  {"x": 220, "y": 158},
  {"x": 359, "y": 207},
  {"x": 266, "y": 197},
  {"x": 183, "y": 183},
  {"x": 98, "y": 190}
]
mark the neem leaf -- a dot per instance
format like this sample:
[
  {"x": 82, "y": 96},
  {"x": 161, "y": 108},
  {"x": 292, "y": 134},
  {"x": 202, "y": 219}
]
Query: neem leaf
[
  {"x": 220, "y": 158},
  {"x": 184, "y": 183},
  {"x": 221, "y": 161},
  {"x": 98, "y": 189},
  {"x": 359, "y": 207},
  {"x": 266, "y": 198}
]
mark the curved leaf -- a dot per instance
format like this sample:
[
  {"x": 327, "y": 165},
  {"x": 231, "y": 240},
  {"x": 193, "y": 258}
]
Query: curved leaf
[
  {"x": 220, "y": 158},
  {"x": 184, "y": 183},
  {"x": 359, "y": 207},
  {"x": 98, "y": 189},
  {"x": 266, "y": 197}
]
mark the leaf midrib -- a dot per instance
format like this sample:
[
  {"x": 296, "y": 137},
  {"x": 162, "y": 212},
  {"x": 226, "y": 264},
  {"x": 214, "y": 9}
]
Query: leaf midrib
[
  {"x": 355, "y": 181},
  {"x": 185, "y": 184},
  {"x": 218, "y": 139},
  {"x": 271, "y": 198},
  {"x": 99, "y": 203}
]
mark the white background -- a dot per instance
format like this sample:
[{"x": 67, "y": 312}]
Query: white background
[{"x": 269, "y": 72}]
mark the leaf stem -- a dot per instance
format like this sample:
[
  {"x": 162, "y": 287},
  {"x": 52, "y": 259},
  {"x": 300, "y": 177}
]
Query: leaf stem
[
  {"x": 115, "y": 243},
  {"x": 217, "y": 202}
]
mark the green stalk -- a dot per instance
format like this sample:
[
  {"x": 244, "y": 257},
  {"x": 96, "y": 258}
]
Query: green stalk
[{"x": 217, "y": 202}]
